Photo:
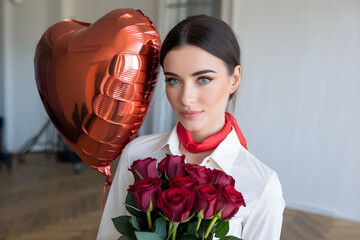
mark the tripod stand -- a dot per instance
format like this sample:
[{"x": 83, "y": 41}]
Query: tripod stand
[
  {"x": 29, "y": 145},
  {"x": 4, "y": 155},
  {"x": 60, "y": 147}
]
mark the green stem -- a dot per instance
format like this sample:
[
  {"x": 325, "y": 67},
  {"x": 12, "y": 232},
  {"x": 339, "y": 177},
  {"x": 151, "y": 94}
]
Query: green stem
[
  {"x": 212, "y": 223},
  {"x": 148, "y": 216},
  {"x": 173, "y": 236},
  {"x": 170, "y": 229},
  {"x": 198, "y": 225}
]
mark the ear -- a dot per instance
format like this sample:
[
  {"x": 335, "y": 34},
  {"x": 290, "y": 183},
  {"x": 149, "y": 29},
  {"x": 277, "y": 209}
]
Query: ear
[{"x": 235, "y": 79}]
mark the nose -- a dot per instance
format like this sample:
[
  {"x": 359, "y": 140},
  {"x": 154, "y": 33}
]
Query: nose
[{"x": 188, "y": 94}]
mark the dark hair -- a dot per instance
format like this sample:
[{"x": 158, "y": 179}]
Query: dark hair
[{"x": 209, "y": 33}]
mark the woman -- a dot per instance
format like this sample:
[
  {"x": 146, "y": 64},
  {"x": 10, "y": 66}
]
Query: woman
[{"x": 200, "y": 58}]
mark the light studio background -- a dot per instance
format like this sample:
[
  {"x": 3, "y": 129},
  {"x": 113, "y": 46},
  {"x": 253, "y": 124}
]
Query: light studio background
[{"x": 299, "y": 99}]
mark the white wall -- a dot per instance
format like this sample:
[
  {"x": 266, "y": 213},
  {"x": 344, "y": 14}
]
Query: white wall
[
  {"x": 1, "y": 58},
  {"x": 299, "y": 98},
  {"x": 91, "y": 10},
  {"x": 23, "y": 25},
  {"x": 298, "y": 102}
]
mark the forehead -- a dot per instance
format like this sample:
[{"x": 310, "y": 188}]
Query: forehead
[{"x": 190, "y": 58}]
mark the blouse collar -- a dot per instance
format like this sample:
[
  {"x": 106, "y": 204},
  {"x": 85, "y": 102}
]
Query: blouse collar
[{"x": 224, "y": 155}]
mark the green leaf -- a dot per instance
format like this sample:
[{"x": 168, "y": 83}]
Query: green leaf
[
  {"x": 187, "y": 236},
  {"x": 147, "y": 236},
  {"x": 191, "y": 228},
  {"x": 123, "y": 225},
  {"x": 160, "y": 227},
  {"x": 230, "y": 238},
  {"x": 124, "y": 237},
  {"x": 134, "y": 223},
  {"x": 222, "y": 229}
]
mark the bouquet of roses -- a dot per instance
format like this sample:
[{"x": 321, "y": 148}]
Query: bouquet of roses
[{"x": 178, "y": 200}]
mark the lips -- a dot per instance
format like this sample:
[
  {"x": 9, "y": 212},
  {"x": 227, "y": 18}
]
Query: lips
[{"x": 190, "y": 114}]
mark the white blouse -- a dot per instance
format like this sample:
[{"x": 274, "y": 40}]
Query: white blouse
[{"x": 259, "y": 185}]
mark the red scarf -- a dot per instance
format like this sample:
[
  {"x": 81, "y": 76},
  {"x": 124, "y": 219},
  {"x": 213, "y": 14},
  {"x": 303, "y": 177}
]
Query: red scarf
[{"x": 212, "y": 141}]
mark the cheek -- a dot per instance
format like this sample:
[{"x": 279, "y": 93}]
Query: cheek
[
  {"x": 171, "y": 95},
  {"x": 217, "y": 95}
]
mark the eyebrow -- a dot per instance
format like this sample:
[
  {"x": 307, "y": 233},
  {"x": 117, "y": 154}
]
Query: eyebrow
[{"x": 194, "y": 74}]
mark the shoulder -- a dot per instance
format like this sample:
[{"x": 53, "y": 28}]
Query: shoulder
[
  {"x": 256, "y": 179},
  {"x": 253, "y": 168},
  {"x": 259, "y": 168},
  {"x": 144, "y": 146},
  {"x": 148, "y": 141},
  {"x": 151, "y": 139}
]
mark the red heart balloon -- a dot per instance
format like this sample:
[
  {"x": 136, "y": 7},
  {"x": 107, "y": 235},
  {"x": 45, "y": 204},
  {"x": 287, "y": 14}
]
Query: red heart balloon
[{"x": 97, "y": 81}]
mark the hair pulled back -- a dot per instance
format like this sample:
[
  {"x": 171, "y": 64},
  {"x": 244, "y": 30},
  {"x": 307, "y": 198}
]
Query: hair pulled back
[{"x": 209, "y": 33}]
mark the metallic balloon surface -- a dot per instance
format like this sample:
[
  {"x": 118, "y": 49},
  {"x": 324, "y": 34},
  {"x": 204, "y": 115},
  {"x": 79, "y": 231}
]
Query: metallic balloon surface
[{"x": 97, "y": 81}]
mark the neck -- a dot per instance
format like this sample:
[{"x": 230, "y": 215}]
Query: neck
[
  {"x": 201, "y": 141},
  {"x": 200, "y": 135}
]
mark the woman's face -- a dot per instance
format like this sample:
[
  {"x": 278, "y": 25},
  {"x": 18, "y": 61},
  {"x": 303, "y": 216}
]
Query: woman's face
[{"x": 198, "y": 86}]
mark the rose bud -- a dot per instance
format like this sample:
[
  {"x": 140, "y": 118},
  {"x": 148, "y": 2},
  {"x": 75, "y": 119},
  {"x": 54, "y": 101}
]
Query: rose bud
[
  {"x": 198, "y": 172},
  {"x": 206, "y": 198},
  {"x": 145, "y": 190},
  {"x": 176, "y": 203},
  {"x": 230, "y": 201},
  {"x": 183, "y": 181},
  {"x": 216, "y": 176},
  {"x": 172, "y": 165},
  {"x": 146, "y": 168}
]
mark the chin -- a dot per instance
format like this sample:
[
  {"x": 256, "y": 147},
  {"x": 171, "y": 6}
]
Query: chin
[{"x": 191, "y": 126}]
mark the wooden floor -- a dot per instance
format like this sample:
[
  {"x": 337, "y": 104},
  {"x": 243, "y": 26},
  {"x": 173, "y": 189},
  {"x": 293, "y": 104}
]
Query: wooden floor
[{"x": 44, "y": 199}]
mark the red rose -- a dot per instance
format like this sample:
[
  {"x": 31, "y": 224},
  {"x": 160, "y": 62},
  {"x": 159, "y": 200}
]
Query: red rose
[
  {"x": 183, "y": 181},
  {"x": 143, "y": 191},
  {"x": 219, "y": 177},
  {"x": 229, "y": 202},
  {"x": 198, "y": 172},
  {"x": 172, "y": 165},
  {"x": 206, "y": 198},
  {"x": 176, "y": 203},
  {"x": 145, "y": 167}
]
